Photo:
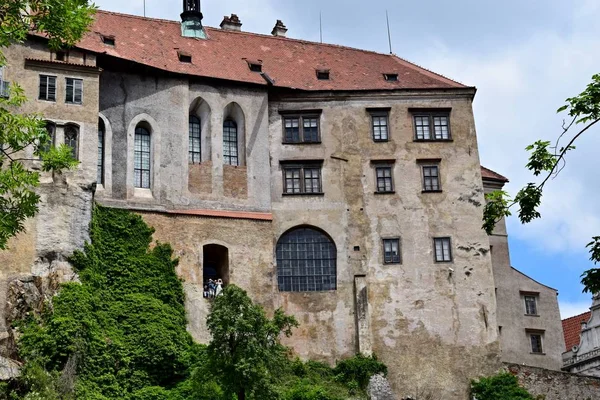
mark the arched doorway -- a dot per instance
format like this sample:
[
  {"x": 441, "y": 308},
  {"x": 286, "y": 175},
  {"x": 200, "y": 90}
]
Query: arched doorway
[{"x": 215, "y": 263}]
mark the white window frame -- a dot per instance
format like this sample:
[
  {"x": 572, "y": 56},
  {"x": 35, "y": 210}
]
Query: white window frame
[
  {"x": 74, "y": 93},
  {"x": 48, "y": 77}
]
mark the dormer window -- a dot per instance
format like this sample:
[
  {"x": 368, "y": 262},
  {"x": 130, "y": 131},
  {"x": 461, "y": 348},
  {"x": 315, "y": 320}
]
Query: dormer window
[
  {"x": 61, "y": 56},
  {"x": 184, "y": 57},
  {"x": 323, "y": 74},
  {"x": 255, "y": 66},
  {"x": 391, "y": 77},
  {"x": 108, "y": 40}
]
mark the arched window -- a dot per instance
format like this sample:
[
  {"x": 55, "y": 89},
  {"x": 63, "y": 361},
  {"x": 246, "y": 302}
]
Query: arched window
[
  {"x": 195, "y": 134},
  {"x": 230, "y": 143},
  {"x": 306, "y": 261},
  {"x": 141, "y": 174},
  {"x": 100, "y": 172},
  {"x": 71, "y": 137},
  {"x": 51, "y": 129}
]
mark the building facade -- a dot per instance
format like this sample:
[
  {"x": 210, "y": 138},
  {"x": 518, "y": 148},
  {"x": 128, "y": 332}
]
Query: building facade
[
  {"x": 528, "y": 316},
  {"x": 583, "y": 354},
  {"x": 341, "y": 185}
]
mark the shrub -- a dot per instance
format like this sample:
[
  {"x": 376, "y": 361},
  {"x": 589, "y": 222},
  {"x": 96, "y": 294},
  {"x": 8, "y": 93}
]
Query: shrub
[
  {"x": 503, "y": 386},
  {"x": 359, "y": 369}
]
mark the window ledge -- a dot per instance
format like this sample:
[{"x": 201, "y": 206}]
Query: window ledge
[
  {"x": 381, "y": 140},
  {"x": 433, "y": 140},
  {"x": 143, "y": 193},
  {"x": 444, "y": 262},
  {"x": 431, "y": 191},
  {"x": 537, "y": 354},
  {"x": 532, "y": 315},
  {"x": 392, "y": 192},
  {"x": 393, "y": 263},
  {"x": 304, "y": 194},
  {"x": 301, "y": 143},
  {"x": 73, "y": 104}
]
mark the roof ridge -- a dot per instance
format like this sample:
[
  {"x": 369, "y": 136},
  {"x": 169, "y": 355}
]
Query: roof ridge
[
  {"x": 413, "y": 64},
  {"x": 577, "y": 316},
  {"x": 135, "y": 16}
]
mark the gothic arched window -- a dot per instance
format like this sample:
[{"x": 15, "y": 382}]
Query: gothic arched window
[
  {"x": 306, "y": 261},
  {"x": 71, "y": 139},
  {"x": 141, "y": 159},
  {"x": 230, "y": 142}
]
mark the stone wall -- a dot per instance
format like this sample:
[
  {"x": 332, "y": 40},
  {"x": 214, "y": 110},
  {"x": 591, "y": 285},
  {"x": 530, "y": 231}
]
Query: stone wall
[{"x": 554, "y": 385}]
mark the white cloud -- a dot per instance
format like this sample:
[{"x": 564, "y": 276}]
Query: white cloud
[
  {"x": 571, "y": 309},
  {"x": 520, "y": 86}
]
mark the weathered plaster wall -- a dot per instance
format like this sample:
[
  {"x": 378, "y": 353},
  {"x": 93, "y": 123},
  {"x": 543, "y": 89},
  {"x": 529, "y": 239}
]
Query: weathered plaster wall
[
  {"x": 433, "y": 327},
  {"x": 513, "y": 323},
  {"x": 554, "y": 385},
  {"x": 36, "y": 260},
  {"x": 250, "y": 245},
  {"x": 165, "y": 103}
]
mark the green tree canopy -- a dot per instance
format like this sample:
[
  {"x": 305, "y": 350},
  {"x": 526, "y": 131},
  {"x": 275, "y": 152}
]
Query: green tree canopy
[{"x": 63, "y": 22}]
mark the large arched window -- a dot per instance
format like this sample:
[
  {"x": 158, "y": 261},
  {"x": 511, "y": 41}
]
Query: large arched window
[
  {"x": 195, "y": 135},
  {"x": 306, "y": 261},
  {"x": 230, "y": 143},
  {"x": 100, "y": 171},
  {"x": 71, "y": 138},
  {"x": 141, "y": 172}
]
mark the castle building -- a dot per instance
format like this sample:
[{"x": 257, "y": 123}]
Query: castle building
[
  {"x": 341, "y": 185},
  {"x": 582, "y": 338}
]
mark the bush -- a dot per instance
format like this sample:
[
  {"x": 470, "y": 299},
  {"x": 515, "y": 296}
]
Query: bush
[
  {"x": 503, "y": 386},
  {"x": 359, "y": 369},
  {"x": 304, "y": 391}
]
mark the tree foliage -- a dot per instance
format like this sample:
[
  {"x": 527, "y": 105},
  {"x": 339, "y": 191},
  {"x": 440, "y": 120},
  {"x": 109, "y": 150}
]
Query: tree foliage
[
  {"x": 63, "y": 22},
  {"x": 547, "y": 160},
  {"x": 503, "y": 386}
]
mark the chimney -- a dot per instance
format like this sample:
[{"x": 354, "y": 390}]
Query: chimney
[
  {"x": 279, "y": 29},
  {"x": 232, "y": 23}
]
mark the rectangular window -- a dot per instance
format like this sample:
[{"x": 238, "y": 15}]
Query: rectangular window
[
  {"x": 302, "y": 179},
  {"x": 391, "y": 251},
  {"x": 531, "y": 305},
  {"x": 432, "y": 125},
  {"x": 431, "y": 178},
  {"x": 536, "y": 343},
  {"x": 142, "y": 159},
  {"x": 301, "y": 129},
  {"x": 385, "y": 182},
  {"x": 74, "y": 91},
  {"x": 443, "y": 251},
  {"x": 4, "y": 85},
  {"x": 47, "y": 88}
]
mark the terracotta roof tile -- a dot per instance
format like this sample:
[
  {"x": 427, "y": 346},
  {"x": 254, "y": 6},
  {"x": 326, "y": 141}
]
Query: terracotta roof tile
[
  {"x": 291, "y": 63},
  {"x": 491, "y": 175},
  {"x": 225, "y": 214},
  {"x": 572, "y": 329}
]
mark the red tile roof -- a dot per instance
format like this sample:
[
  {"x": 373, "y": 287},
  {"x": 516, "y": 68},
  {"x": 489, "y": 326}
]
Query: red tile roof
[
  {"x": 572, "y": 329},
  {"x": 225, "y": 214},
  {"x": 290, "y": 63},
  {"x": 491, "y": 175}
]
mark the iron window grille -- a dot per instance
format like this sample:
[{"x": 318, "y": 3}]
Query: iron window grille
[
  {"x": 431, "y": 178},
  {"x": 4, "y": 85},
  {"x": 230, "y": 143},
  {"x": 100, "y": 167},
  {"x": 530, "y": 305},
  {"x": 443, "y": 249},
  {"x": 301, "y": 129},
  {"x": 302, "y": 178},
  {"x": 391, "y": 251},
  {"x": 71, "y": 139},
  {"x": 306, "y": 261},
  {"x": 536, "y": 343},
  {"x": 142, "y": 170},
  {"x": 432, "y": 126},
  {"x": 74, "y": 92},
  {"x": 47, "y": 88},
  {"x": 385, "y": 183},
  {"x": 195, "y": 156}
]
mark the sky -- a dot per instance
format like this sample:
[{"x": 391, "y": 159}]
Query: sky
[{"x": 524, "y": 56}]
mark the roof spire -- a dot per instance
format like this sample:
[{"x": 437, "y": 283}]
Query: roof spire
[{"x": 191, "y": 20}]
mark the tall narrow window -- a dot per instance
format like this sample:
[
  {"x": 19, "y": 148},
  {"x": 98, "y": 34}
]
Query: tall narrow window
[
  {"x": 385, "y": 182},
  {"x": 100, "y": 171},
  {"x": 74, "y": 92},
  {"x": 306, "y": 261},
  {"x": 391, "y": 251},
  {"x": 531, "y": 305},
  {"x": 230, "y": 143},
  {"x": 443, "y": 251},
  {"x": 4, "y": 86},
  {"x": 194, "y": 145},
  {"x": 431, "y": 178},
  {"x": 71, "y": 136},
  {"x": 142, "y": 158},
  {"x": 47, "y": 88}
]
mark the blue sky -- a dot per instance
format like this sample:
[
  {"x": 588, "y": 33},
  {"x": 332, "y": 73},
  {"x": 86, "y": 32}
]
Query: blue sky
[{"x": 524, "y": 56}]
